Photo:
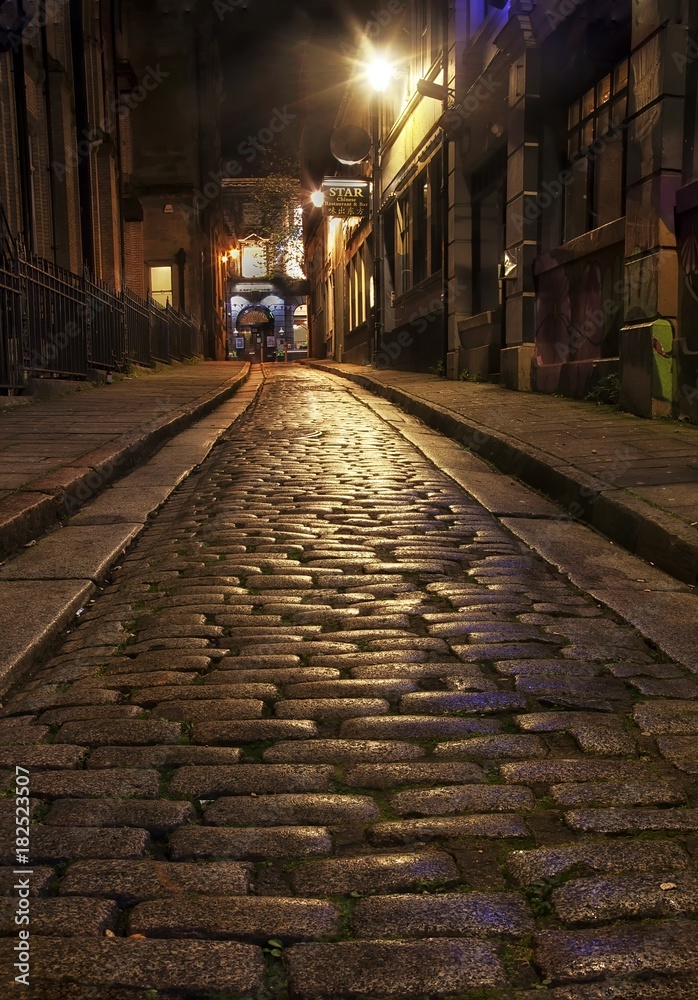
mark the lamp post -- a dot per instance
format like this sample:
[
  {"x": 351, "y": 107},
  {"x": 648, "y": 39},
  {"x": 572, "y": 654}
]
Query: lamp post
[{"x": 379, "y": 74}]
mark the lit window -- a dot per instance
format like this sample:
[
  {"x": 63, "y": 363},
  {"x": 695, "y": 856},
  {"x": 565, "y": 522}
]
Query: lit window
[
  {"x": 254, "y": 262},
  {"x": 161, "y": 285}
]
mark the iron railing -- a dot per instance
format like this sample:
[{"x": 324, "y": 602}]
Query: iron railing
[{"x": 58, "y": 324}]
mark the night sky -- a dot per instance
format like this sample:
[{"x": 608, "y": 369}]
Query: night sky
[{"x": 263, "y": 44}]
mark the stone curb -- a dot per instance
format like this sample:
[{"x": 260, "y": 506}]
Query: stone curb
[
  {"x": 55, "y": 597},
  {"x": 642, "y": 529},
  {"x": 40, "y": 503}
]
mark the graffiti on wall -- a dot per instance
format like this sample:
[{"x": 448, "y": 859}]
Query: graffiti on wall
[{"x": 579, "y": 306}]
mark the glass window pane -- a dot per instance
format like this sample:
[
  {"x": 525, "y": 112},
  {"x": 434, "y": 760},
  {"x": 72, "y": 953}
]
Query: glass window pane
[
  {"x": 620, "y": 76},
  {"x": 588, "y": 134},
  {"x": 573, "y": 145},
  {"x": 161, "y": 279},
  {"x": 603, "y": 122},
  {"x": 588, "y": 103},
  {"x": 576, "y": 201},
  {"x": 254, "y": 262},
  {"x": 603, "y": 90},
  {"x": 620, "y": 110},
  {"x": 574, "y": 115},
  {"x": 609, "y": 184}
]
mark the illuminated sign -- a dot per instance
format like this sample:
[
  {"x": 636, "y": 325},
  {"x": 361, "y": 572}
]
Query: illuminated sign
[{"x": 346, "y": 199}]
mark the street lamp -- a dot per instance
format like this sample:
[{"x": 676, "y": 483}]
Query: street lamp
[{"x": 379, "y": 74}]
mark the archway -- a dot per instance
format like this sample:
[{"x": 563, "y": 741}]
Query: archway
[{"x": 255, "y": 325}]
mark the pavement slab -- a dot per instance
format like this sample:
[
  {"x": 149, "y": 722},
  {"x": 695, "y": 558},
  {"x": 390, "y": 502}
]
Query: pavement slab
[{"x": 336, "y": 725}]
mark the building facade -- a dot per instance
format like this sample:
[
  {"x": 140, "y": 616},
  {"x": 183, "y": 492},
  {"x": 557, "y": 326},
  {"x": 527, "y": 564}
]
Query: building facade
[
  {"x": 538, "y": 211},
  {"x": 266, "y": 287},
  {"x": 110, "y": 148}
]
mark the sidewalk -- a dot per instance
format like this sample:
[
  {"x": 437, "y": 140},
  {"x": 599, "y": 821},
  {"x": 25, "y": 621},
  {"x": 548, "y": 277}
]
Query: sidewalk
[
  {"x": 55, "y": 455},
  {"x": 634, "y": 480}
]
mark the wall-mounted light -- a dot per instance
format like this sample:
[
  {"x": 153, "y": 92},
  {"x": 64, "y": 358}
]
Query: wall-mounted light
[
  {"x": 318, "y": 198},
  {"x": 379, "y": 73}
]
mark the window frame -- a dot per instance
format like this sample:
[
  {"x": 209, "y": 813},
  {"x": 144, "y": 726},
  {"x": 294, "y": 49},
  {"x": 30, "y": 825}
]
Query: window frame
[
  {"x": 155, "y": 292},
  {"x": 597, "y": 113}
]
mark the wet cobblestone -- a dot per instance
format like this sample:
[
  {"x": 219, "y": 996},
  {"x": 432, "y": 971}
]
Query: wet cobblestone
[{"x": 328, "y": 699}]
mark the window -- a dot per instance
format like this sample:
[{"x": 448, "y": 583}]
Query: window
[
  {"x": 436, "y": 210},
  {"x": 404, "y": 262},
  {"x": 161, "y": 285},
  {"x": 428, "y": 30},
  {"x": 596, "y": 154},
  {"x": 254, "y": 262},
  {"x": 420, "y": 248},
  {"x": 488, "y": 192},
  {"x": 413, "y": 229},
  {"x": 357, "y": 289}
]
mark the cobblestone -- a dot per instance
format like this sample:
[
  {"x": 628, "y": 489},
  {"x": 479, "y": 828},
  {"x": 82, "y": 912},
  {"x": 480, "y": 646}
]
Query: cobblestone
[
  {"x": 444, "y": 915},
  {"x": 669, "y": 947},
  {"x": 130, "y": 882},
  {"x": 195, "y": 966},
  {"x": 156, "y": 817},
  {"x": 408, "y": 831},
  {"x": 409, "y": 969},
  {"x": 598, "y": 856},
  {"x": 76, "y": 784},
  {"x": 375, "y": 873},
  {"x": 211, "y": 782},
  {"x": 249, "y": 843},
  {"x": 56, "y": 846},
  {"x": 441, "y": 801},
  {"x": 62, "y": 917},
  {"x": 327, "y": 701},
  {"x": 601, "y": 900},
  {"x": 296, "y": 810},
  {"x": 247, "y": 919},
  {"x": 391, "y": 775},
  {"x": 122, "y": 733},
  {"x": 349, "y": 751}
]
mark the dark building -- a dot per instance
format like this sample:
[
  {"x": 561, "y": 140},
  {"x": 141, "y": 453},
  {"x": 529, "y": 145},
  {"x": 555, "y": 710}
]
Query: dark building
[
  {"x": 266, "y": 286},
  {"x": 532, "y": 188},
  {"x": 110, "y": 148}
]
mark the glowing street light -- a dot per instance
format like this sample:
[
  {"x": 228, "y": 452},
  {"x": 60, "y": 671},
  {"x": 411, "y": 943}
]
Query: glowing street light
[
  {"x": 318, "y": 198},
  {"x": 379, "y": 74}
]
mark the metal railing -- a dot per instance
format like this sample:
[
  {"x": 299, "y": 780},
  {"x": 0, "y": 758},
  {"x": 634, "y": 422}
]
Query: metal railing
[{"x": 56, "y": 323}]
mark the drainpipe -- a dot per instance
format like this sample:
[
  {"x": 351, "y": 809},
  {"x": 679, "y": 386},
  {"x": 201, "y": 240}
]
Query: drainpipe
[
  {"x": 445, "y": 153},
  {"x": 24, "y": 149},
  {"x": 82, "y": 128}
]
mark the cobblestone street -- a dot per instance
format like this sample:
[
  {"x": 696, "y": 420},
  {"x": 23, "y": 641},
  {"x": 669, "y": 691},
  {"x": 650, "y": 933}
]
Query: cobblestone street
[{"x": 330, "y": 730}]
